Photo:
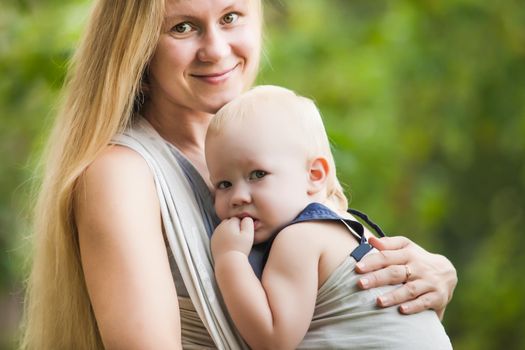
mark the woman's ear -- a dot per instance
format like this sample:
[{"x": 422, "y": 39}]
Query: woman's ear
[{"x": 317, "y": 174}]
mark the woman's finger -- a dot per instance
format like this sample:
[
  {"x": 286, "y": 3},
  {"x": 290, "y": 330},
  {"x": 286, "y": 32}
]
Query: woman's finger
[
  {"x": 404, "y": 293},
  {"x": 382, "y": 259},
  {"x": 389, "y": 243},
  {"x": 393, "y": 274},
  {"x": 422, "y": 303}
]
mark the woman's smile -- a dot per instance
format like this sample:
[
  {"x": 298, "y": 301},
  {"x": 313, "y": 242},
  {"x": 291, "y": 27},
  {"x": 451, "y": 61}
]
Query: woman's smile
[{"x": 216, "y": 78}]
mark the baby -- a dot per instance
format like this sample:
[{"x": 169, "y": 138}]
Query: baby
[{"x": 275, "y": 181}]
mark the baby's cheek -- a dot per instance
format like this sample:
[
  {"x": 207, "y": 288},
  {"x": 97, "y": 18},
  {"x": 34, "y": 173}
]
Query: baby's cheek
[
  {"x": 284, "y": 213},
  {"x": 221, "y": 209}
]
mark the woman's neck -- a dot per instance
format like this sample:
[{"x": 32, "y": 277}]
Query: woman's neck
[{"x": 183, "y": 128}]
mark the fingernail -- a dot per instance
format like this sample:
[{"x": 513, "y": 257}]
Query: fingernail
[
  {"x": 383, "y": 300},
  {"x": 404, "y": 308},
  {"x": 360, "y": 265},
  {"x": 364, "y": 282}
]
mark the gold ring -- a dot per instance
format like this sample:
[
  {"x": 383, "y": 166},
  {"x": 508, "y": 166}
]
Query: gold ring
[{"x": 407, "y": 273}]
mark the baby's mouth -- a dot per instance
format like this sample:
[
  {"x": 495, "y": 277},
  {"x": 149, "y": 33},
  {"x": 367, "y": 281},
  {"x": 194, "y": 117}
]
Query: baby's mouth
[{"x": 256, "y": 222}]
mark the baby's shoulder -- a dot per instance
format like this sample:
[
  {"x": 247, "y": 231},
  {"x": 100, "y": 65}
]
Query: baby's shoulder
[
  {"x": 320, "y": 238},
  {"x": 307, "y": 236},
  {"x": 304, "y": 231},
  {"x": 315, "y": 230},
  {"x": 295, "y": 248}
]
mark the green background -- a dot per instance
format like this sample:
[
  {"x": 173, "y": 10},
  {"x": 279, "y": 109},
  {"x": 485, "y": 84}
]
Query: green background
[{"x": 424, "y": 102}]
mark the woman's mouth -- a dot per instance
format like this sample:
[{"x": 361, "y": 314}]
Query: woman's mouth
[{"x": 216, "y": 78}]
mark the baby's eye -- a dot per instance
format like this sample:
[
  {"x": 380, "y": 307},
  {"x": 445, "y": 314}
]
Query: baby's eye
[
  {"x": 182, "y": 28},
  {"x": 230, "y": 18},
  {"x": 223, "y": 184},
  {"x": 258, "y": 174}
]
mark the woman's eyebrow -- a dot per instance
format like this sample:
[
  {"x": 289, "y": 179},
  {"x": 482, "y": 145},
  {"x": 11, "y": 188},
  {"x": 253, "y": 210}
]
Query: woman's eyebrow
[
  {"x": 177, "y": 18},
  {"x": 186, "y": 15}
]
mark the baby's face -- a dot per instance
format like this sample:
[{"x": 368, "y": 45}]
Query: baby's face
[{"x": 257, "y": 173}]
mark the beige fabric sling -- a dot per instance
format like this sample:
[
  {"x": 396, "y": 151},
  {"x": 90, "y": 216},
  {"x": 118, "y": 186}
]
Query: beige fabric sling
[
  {"x": 186, "y": 235},
  {"x": 346, "y": 317}
]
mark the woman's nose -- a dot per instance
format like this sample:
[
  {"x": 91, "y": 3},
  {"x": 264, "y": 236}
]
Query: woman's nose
[
  {"x": 214, "y": 47},
  {"x": 240, "y": 196}
]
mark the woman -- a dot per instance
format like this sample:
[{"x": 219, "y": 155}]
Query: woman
[{"x": 102, "y": 276}]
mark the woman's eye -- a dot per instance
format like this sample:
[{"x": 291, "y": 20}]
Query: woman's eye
[
  {"x": 258, "y": 174},
  {"x": 230, "y": 18},
  {"x": 182, "y": 28},
  {"x": 223, "y": 184}
]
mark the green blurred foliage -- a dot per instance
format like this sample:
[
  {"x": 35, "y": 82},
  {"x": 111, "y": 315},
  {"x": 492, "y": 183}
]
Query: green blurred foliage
[
  {"x": 424, "y": 102},
  {"x": 36, "y": 40}
]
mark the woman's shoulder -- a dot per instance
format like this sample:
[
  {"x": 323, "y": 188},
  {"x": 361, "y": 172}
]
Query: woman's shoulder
[
  {"x": 117, "y": 164},
  {"x": 117, "y": 158},
  {"x": 117, "y": 174}
]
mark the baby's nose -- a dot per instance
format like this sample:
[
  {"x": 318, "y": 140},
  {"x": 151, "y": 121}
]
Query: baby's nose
[{"x": 240, "y": 196}]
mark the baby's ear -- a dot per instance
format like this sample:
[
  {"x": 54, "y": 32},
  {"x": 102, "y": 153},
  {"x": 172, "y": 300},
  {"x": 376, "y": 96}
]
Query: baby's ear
[{"x": 317, "y": 174}]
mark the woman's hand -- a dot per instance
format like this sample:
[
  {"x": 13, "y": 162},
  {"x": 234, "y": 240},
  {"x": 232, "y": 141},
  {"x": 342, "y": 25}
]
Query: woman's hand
[
  {"x": 232, "y": 234},
  {"x": 428, "y": 279}
]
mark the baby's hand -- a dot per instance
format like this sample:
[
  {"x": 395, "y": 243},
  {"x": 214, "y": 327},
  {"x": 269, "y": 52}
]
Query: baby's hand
[{"x": 232, "y": 234}]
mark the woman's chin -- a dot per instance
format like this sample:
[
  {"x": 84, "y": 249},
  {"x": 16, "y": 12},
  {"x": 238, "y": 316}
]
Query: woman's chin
[{"x": 212, "y": 102}]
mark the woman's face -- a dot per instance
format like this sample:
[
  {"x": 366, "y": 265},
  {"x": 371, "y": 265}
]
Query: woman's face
[{"x": 208, "y": 53}]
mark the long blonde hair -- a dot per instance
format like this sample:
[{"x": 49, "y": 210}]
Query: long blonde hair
[{"x": 101, "y": 92}]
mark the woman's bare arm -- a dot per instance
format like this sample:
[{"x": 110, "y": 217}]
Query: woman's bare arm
[
  {"x": 123, "y": 254},
  {"x": 430, "y": 284}
]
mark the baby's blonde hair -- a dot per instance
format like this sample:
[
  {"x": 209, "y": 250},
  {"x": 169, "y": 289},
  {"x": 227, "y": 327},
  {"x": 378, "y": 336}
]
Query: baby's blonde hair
[{"x": 300, "y": 114}]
